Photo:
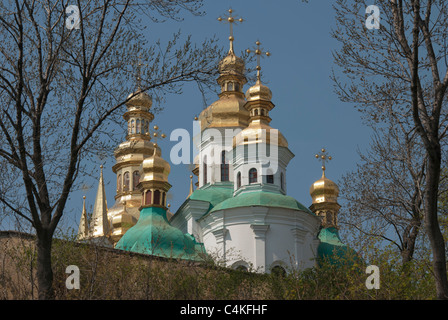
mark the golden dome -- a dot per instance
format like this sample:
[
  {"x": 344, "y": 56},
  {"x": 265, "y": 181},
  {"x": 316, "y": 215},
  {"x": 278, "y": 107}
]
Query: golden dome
[
  {"x": 259, "y": 92},
  {"x": 155, "y": 168},
  {"x": 141, "y": 100},
  {"x": 232, "y": 65},
  {"x": 228, "y": 111},
  {"x": 324, "y": 190},
  {"x": 259, "y": 132}
]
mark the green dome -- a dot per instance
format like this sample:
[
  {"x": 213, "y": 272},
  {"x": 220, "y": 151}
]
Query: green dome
[
  {"x": 332, "y": 250},
  {"x": 153, "y": 235},
  {"x": 213, "y": 194},
  {"x": 262, "y": 198}
]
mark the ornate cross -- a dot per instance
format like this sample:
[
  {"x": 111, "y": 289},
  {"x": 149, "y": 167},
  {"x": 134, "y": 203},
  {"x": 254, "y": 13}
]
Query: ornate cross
[
  {"x": 324, "y": 157},
  {"x": 230, "y": 20},
  {"x": 157, "y": 133},
  {"x": 259, "y": 53}
]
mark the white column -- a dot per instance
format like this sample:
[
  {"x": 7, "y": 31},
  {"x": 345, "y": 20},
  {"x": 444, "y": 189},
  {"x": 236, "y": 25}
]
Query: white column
[{"x": 259, "y": 246}]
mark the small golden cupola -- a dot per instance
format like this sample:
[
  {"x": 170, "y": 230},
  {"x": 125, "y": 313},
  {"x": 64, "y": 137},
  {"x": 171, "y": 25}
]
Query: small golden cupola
[
  {"x": 324, "y": 193},
  {"x": 259, "y": 105},
  {"x": 154, "y": 183},
  {"x": 229, "y": 110}
]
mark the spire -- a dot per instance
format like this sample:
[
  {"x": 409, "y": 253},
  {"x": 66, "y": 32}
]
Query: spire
[
  {"x": 191, "y": 187},
  {"x": 83, "y": 230},
  {"x": 100, "y": 222}
]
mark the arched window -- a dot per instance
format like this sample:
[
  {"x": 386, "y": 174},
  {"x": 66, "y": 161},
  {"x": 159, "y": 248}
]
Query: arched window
[
  {"x": 157, "y": 197},
  {"x": 148, "y": 197},
  {"x": 238, "y": 180},
  {"x": 224, "y": 167},
  {"x": 132, "y": 126},
  {"x": 204, "y": 171},
  {"x": 252, "y": 175},
  {"x": 138, "y": 126},
  {"x": 126, "y": 177},
  {"x": 163, "y": 198},
  {"x": 230, "y": 86},
  {"x": 135, "y": 179},
  {"x": 256, "y": 112},
  {"x": 119, "y": 184}
]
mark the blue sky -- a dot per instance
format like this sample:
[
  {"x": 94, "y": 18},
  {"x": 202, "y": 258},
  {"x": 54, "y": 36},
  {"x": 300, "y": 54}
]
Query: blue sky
[{"x": 307, "y": 111}]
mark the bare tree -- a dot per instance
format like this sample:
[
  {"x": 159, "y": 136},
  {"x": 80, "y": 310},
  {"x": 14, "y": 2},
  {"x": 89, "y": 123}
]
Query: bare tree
[
  {"x": 384, "y": 194},
  {"x": 61, "y": 86},
  {"x": 403, "y": 63}
]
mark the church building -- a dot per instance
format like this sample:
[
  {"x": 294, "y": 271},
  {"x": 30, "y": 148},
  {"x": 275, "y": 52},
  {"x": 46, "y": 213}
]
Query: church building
[{"x": 240, "y": 213}]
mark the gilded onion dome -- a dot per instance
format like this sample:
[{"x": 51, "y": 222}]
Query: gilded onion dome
[
  {"x": 259, "y": 92},
  {"x": 229, "y": 110},
  {"x": 154, "y": 180},
  {"x": 259, "y": 131},
  {"x": 324, "y": 190},
  {"x": 155, "y": 168},
  {"x": 139, "y": 100},
  {"x": 324, "y": 193}
]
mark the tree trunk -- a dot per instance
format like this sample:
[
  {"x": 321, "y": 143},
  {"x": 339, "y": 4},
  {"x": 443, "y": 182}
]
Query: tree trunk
[
  {"x": 432, "y": 225},
  {"x": 44, "y": 270}
]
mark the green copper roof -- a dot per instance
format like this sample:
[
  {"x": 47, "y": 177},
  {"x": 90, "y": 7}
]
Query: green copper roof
[
  {"x": 261, "y": 198},
  {"x": 153, "y": 234},
  {"x": 213, "y": 194},
  {"x": 332, "y": 250}
]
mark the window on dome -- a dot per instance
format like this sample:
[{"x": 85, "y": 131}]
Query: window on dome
[
  {"x": 157, "y": 197},
  {"x": 163, "y": 198},
  {"x": 224, "y": 167},
  {"x": 237, "y": 87},
  {"x": 138, "y": 126},
  {"x": 230, "y": 86},
  {"x": 126, "y": 177},
  {"x": 204, "y": 171},
  {"x": 135, "y": 179},
  {"x": 148, "y": 197},
  {"x": 132, "y": 126},
  {"x": 238, "y": 180},
  {"x": 253, "y": 175}
]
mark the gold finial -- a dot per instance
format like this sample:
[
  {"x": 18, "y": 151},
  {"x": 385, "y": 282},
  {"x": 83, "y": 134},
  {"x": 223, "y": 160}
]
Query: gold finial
[
  {"x": 230, "y": 19},
  {"x": 323, "y": 156},
  {"x": 84, "y": 197},
  {"x": 259, "y": 52},
  {"x": 191, "y": 186}
]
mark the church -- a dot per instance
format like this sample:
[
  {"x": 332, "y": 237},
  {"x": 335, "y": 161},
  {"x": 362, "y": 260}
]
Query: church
[{"x": 240, "y": 213}]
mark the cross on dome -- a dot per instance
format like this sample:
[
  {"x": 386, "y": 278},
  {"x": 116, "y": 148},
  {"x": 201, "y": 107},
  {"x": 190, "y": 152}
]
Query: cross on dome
[
  {"x": 230, "y": 20},
  {"x": 324, "y": 157},
  {"x": 258, "y": 51}
]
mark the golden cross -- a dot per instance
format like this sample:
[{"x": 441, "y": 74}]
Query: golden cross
[
  {"x": 323, "y": 156},
  {"x": 259, "y": 53},
  {"x": 230, "y": 20},
  {"x": 157, "y": 133}
]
